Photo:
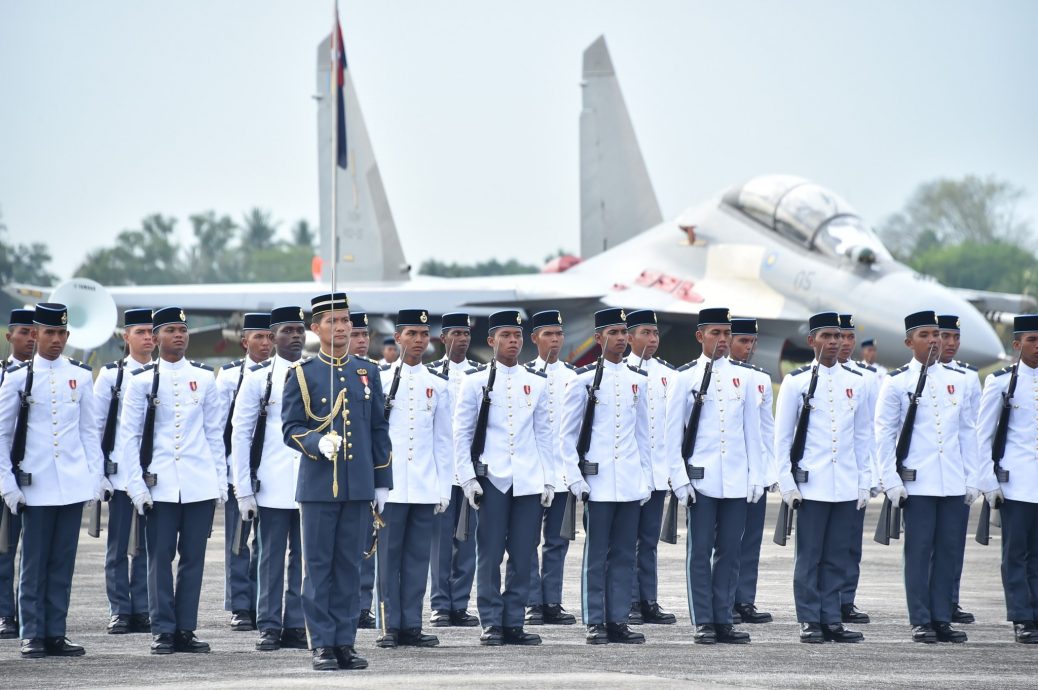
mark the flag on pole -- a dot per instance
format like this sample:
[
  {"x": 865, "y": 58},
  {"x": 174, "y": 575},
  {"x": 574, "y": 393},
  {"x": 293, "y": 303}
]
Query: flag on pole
[{"x": 338, "y": 78}]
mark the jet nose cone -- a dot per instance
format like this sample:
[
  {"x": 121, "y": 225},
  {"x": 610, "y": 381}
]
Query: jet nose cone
[{"x": 980, "y": 345}]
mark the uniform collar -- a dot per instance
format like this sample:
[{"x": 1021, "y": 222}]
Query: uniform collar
[
  {"x": 609, "y": 365},
  {"x": 916, "y": 365},
  {"x": 539, "y": 363},
  {"x": 463, "y": 365},
  {"x": 719, "y": 362},
  {"x": 179, "y": 364},
  {"x": 508, "y": 370},
  {"x": 249, "y": 361},
  {"x": 828, "y": 370},
  {"x": 333, "y": 361},
  {"x": 407, "y": 368},
  {"x": 1028, "y": 370},
  {"x": 40, "y": 363},
  {"x": 134, "y": 364}
]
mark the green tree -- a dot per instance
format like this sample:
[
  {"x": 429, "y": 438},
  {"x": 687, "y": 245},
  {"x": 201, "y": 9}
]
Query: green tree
[
  {"x": 211, "y": 259},
  {"x": 149, "y": 255},
  {"x": 303, "y": 235},
  {"x": 258, "y": 229},
  {"x": 996, "y": 266},
  {"x": 492, "y": 267}
]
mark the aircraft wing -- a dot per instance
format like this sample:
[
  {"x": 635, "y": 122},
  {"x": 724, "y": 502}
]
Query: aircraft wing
[{"x": 999, "y": 307}]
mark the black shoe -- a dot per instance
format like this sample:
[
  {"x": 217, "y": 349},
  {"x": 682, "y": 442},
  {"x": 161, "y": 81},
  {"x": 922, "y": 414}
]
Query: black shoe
[
  {"x": 705, "y": 634},
  {"x": 811, "y": 633},
  {"x": 727, "y": 634},
  {"x": 366, "y": 620},
  {"x": 162, "y": 644},
  {"x": 534, "y": 615},
  {"x": 414, "y": 637},
  {"x": 748, "y": 613},
  {"x": 849, "y": 613},
  {"x": 946, "y": 633},
  {"x": 324, "y": 659},
  {"x": 597, "y": 634},
  {"x": 386, "y": 640},
  {"x": 348, "y": 658},
  {"x": 460, "y": 618},
  {"x": 736, "y": 618},
  {"x": 119, "y": 624},
  {"x": 33, "y": 649},
  {"x": 518, "y": 636},
  {"x": 835, "y": 632},
  {"x": 1025, "y": 632},
  {"x": 140, "y": 623},
  {"x": 960, "y": 616},
  {"x": 924, "y": 634},
  {"x": 241, "y": 621},
  {"x": 554, "y": 614},
  {"x": 185, "y": 641},
  {"x": 294, "y": 638},
  {"x": 492, "y": 636},
  {"x": 619, "y": 632},
  {"x": 8, "y": 627},
  {"x": 635, "y": 617},
  {"x": 62, "y": 646},
  {"x": 652, "y": 613},
  {"x": 269, "y": 640},
  {"x": 440, "y": 618}
]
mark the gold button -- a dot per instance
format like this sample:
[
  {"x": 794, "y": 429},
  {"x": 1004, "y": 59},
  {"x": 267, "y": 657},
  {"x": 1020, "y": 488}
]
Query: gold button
[
  {"x": 342, "y": 378},
  {"x": 349, "y": 433},
  {"x": 349, "y": 445},
  {"x": 349, "y": 457}
]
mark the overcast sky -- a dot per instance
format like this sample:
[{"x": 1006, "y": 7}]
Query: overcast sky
[{"x": 113, "y": 110}]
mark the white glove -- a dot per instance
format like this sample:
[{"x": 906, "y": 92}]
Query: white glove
[
  {"x": 329, "y": 444},
  {"x": 755, "y": 494},
  {"x": 142, "y": 501},
  {"x": 792, "y": 496},
  {"x": 683, "y": 493},
  {"x": 222, "y": 497},
  {"x": 547, "y": 495},
  {"x": 471, "y": 489},
  {"x": 381, "y": 496},
  {"x": 105, "y": 490},
  {"x": 994, "y": 498},
  {"x": 14, "y": 499},
  {"x": 863, "y": 498},
  {"x": 441, "y": 507},
  {"x": 579, "y": 488},
  {"x": 247, "y": 507},
  {"x": 971, "y": 495},
  {"x": 897, "y": 495},
  {"x": 774, "y": 488}
]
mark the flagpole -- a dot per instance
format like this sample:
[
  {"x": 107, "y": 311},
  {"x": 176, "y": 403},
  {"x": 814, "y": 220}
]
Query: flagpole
[{"x": 332, "y": 248}]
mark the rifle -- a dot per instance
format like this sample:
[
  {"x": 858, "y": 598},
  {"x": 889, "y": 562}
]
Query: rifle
[
  {"x": 447, "y": 358},
  {"x": 147, "y": 451},
  {"x": 688, "y": 438},
  {"x": 230, "y": 411},
  {"x": 998, "y": 451},
  {"x": 108, "y": 443},
  {"x": 479, "y": 443},
  {"x": 669, "y": 529},
  {"x": 392, "y": 391},
  {"x": 784, "y": 523},
  {"x": 21, "y": 428},
  {"x": 587, "y": 469},
  {"x": 259, "y": 437},
  {"x": 463, "y": 530}
]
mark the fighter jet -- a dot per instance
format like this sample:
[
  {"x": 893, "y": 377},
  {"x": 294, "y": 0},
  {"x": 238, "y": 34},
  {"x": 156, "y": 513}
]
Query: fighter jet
[{"x": 775, "y": 247}]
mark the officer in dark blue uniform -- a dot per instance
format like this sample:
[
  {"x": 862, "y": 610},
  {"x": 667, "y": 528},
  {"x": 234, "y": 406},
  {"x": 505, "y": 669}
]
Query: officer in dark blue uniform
[
  {"x": 333, "y": 414},
  {"x": 360, "y": 343}
]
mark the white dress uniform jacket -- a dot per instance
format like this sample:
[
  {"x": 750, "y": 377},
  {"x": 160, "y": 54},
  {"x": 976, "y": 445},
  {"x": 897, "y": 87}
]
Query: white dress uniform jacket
[
  {"x": 761, "y": 385},
  {"x": 559, "y": 375},
  {"x": 944, "y": 440},
  {"x": 420, "y": 431},
  {"x": 619, "y": 436},
  {"x": 839, "y": 433},
  {"x": 279, "y": 465},
  {"x": 62, "y": 448},
  {"x": 1021, "y": 455},
  {"x": 188, "y": 452},
  {"x": 227, "y": 379},
  {"x": 518, "y": 449},
  {"x": 873, "y": 380},
  {"x": 659, "y": 376},
  {"x": 102, "y": 398},
  {"x": 456, "y": 372},
  {"x": 728, "y": 442}
]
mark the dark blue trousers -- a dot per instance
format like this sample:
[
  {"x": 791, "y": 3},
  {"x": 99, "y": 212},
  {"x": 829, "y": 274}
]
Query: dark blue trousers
[
  {"x": 934, "y": 526},
  {"x": 452, "y": 566},
  {"x": 820, "y": 559},
  {"x": 849, "y": 587},
  {"x": 611, "y": 531},
  {"x": 278, "y": 542},
  {"x": 1020, "y": 560},
  {"x": 650, "y": 518},
  {"x": 334, "y": 536},
  {"x": 959, "y": 563},
  {"x": 749, "y": 552},
  {"x": 546, "y": 575},
  {"x": 509, "y": 524},
  {"x": 239, "y": 593},
  {"x": 403, "y": 551},
  {"x": 367, "y": 570},
  {"x": 715, "y": 527},
  {"x": 178, "y": 530},
  {"x": 126, "y": 579},
  {"x": 50, "y": 537},
  {"x": 8, "y": 591}
]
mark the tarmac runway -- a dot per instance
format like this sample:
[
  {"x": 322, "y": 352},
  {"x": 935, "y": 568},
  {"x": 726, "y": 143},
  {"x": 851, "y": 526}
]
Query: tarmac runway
[{"x": 775, "y": 658}]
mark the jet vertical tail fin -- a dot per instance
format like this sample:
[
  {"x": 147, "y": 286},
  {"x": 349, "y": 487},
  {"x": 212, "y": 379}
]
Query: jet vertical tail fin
[
  {"x": 369, "y": 248},
  {"x": 616, "y": 196}
]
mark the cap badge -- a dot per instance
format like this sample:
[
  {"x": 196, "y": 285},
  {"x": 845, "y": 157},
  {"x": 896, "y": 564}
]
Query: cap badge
[
  {"x": 623, "y": 315},
  {"x": 300, "y": 314},
  {"x": 64, "y": 318},
  {"x": 560, "y": 317},
  {"x": 519, "y": 318},
  {"x": 183, "y": 316},
  {"x": 423, "y": 317}
]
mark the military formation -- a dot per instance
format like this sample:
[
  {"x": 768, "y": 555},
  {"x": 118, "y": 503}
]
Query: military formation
[{"x": 351, "y": 486}]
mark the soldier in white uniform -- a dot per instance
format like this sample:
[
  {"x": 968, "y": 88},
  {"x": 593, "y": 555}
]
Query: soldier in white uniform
[
  {"x": 613, "y": 496},
  {"x": 932, "y": 479},
  {"x": 516, "y": 468},
  {"x": 419, "y": 411},
  {"x": 186, "y": 478},
  {"x": 830, "y": 483},
  {"x": 21, "y": 337},
  {"x": 360, "y": 343},
  {"x": 744, "y": 339},
  {"x": 60, "y": 470},
  {"x": 126, "y": 578},
  {"x": 240, "y": 570},
  {"x": 268, "y": 490},
  {"x": 1013, "y": 487},
  {"x": 868, "y": 355},
  {"x": 452, "y": 563},
  {"x": 727, "y": 470},
  {"x": 545, "y": 603}
]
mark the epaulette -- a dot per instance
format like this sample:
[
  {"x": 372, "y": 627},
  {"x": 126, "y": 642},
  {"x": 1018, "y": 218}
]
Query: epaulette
[
  {"x": 899, "y": 370},
  {"x": 112, "y": 365},
  {"x": 688, "y": 365},
  {"x": 437, "y": 363},
  {"x": 384, "y": 367},
  {"x": 637, "y": 370},
  {"x": 15, "y": 367},
  {"x": 229, "y": 365},
  {"x": 439, "y": 374},
  {"x": 966, "y": 365},
  {"x": 532, "y": 363},
  {"x": 761, "y": 370},
  {"x": 950, "y": 368},
  {"x": 586, "y": 368},
  {"x": 256, "y": 367},
  {"x": 76, "y": 362},
  {"x": 146, "y": 367},
  {"x": 664, "y": 362},
  {"x": 800, "y": 370},
  {"x": 205, "y": 366},
  {"x": 856, "y": 373},
  {"x": 1003, "y": 370},
  {"x": 569, "y": 366},
  {"x": 478, "y": 367},
  {"x": 535, "y": 370},
  {"x": 744, "y": 365},
  {"x": 869, "y": 367}
]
